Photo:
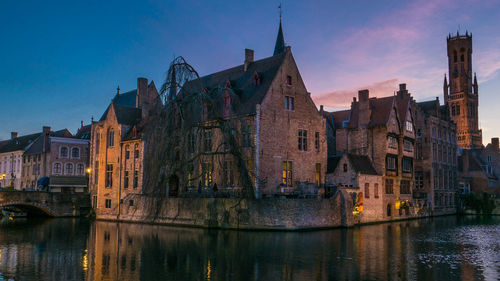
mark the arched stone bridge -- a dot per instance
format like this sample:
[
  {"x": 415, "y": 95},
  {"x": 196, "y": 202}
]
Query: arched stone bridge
[{"x": 47, "y": 203}]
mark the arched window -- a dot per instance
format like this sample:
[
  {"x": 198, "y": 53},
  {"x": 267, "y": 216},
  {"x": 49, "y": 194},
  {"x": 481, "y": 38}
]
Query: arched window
[
  {"x": 69, "y": 169},
  {"x": 454, "y": 55},
  {"x": 79, "y": 169},
  {"x": 111, "y": 138},
  {"x": 75, "y": 152},
  {"x": 127, "y": 152},
  {"x": 57, "y": 168},
  {"x": 63, "y": 152}
]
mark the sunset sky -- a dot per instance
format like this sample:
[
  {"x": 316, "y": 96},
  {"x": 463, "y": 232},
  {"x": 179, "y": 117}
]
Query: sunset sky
[{"x": 61, "y": 61}]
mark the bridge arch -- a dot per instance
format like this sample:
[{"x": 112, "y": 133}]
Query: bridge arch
[{"x": 30, "y": 207}]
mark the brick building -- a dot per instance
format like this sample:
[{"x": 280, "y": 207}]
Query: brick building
[
  {"x": 57, "y": 162},
  {"x": 383, "y": 130},
  {"x": 281, "y": 134},
  {"x": 436, "y": 172},
  {"x": 117, "y": 145}
]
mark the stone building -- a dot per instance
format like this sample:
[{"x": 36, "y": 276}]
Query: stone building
[
  {"x": 461, "y": 94},
  {"x": 56, "y": 162},
  {"x": 383, "y": 130},
  {"x": 436, "y": 172},
  {"x": 356, "y": 175},
  {"x": 279, "y": 130},
  {"x": 11, "y": 157},
  {"x": 116, "y": 147}
]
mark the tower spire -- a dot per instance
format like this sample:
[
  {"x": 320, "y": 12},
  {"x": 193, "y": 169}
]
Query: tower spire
[
  {"x": 445, "y": 89},
  {"x": 279, "y": 47}
]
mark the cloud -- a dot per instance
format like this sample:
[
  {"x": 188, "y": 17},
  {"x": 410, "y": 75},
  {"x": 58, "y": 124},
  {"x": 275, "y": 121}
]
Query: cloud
[{"x": 343, "y": 98}]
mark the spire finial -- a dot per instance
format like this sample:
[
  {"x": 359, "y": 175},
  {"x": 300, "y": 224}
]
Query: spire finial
[
  {"x": 281, "y": 11},
  {"x": 279, "y": 47},
  {"x": 118, "y": 90}
]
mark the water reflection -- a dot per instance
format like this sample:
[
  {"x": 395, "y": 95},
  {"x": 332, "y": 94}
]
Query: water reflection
[{"x": 446, "y": 248}]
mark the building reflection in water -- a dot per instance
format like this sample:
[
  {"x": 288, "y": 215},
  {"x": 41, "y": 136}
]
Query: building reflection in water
[
  {"x": 397, "y": 251},
  {"x": 432, "y": 249}
]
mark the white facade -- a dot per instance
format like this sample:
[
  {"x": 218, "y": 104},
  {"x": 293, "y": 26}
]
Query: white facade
[{"x": 11, "y": 169}]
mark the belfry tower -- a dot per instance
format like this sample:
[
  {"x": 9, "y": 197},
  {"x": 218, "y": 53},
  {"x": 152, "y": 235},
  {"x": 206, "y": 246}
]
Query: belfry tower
[{"x": 461, "y": 94}]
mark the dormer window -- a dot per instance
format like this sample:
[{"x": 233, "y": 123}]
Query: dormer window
[
  {"x": 289, "y": 80},
  {"x": 256, "y": 79}
]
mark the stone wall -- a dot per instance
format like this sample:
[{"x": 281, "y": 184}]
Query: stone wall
[{"x": 236, "y": 213}]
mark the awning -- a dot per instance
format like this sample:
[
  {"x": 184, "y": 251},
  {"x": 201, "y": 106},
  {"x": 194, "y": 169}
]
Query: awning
[
  {"x": 68, "y": 181},
  {"x": 44, "y": 181}
]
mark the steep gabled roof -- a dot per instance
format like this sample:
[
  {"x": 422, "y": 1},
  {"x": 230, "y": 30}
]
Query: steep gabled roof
[
  {"x": 380, "y": 110},
  {"x": 332, "y": 164},
  {"x": 127, "y": 115},
  {"x": 242, "y": 82},
  {"x": 126, "y": 99},
  {"x": 361, "y": 164},
  {"x": 19, "y": 143},
  {"x": 84, "y": 132},
  {"x": 339, "y": 117}
]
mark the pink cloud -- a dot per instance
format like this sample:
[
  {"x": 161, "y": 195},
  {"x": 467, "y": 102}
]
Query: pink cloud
[{"x": 343, "y": 98}]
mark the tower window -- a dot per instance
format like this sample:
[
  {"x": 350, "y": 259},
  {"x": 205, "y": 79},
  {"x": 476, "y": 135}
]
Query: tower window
[
  {"x": 454, "y": 55},
  {"x": 289, "y": 80},
  {"x": 462, "y": 57}
]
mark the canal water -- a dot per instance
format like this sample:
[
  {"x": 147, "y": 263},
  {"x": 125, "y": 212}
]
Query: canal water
[{"x": 444, "y": 248}]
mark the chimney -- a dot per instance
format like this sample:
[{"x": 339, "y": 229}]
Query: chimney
[
  {"x": 494, "y": 143},
  {"x": 248, "y": 58},
  {"x": 321, "y": 110},
  {"x": 81, "y": 124},
  {"x": 13, "y": 135},
  {"x": 142, "y": 88},
  {"x": 364, "y": 107},
  {"x": 402, "y": 90},
  {"x": 46, "y": 130}
]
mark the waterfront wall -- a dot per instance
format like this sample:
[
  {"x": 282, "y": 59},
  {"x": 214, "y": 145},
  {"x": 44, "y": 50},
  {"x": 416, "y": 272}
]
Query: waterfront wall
[{"x": 237, "y": 213}]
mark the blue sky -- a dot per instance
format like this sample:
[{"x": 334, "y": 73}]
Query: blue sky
[{"x": 62, "y": 60}]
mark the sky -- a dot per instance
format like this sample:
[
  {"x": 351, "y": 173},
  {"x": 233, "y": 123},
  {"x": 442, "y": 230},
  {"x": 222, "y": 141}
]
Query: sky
[{"x": 61, "y": 61}]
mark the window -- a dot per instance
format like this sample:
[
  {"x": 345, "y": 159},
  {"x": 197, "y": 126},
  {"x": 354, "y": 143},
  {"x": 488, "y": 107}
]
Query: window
[
  {"x": 97, "y": 142},
  {"x": 131, "y": 203},
  {"x": 287, "y": 173},
  {"x": 109, "y": 175},
  {"x": 409, "y": 126},
  {"x": 302, "y": 140},
  {"x": 125, "y": 180},
  {"x": 57, "y": 168},
  {"x": 408, "y": 145},
  {"x": 111, "y": 138},
  {"x": 289, "y": 103},
  {"x": 345, "y": 167},
  {"x": 69, "y": 169},
  {"x": 136, "y": 179},
  {"x": 208, "y": 141},
  {"x": 419, "y": 180},
  {"x": 389, "y": 186},
  {"x": 316, "y": 141},
  {"x": 391, "y": 162},
  {"x": 289, "y": 80},
  {"x": 80, "y": 169},
  {"x": 108, "y": 205},
  {"x": 392, "y": 142},
  {"x": 206, "y": 170},
  {"x": 136, "y": 151},
  {"x": 75, "y": 153},
  {"x": 228, "y": 173},
  {"x": 367, "y": 190},
  {"x": 191, "y": 142},
  {"x": 63, "y": 152},
  {"x": 454, "y": 55},
  {"x": 127, "y": 152},
  {"x": 375, "y": 190},
  {"x": 404, "y": 187},
  {"x": 317, "y": 174},
  {"x": 246, "y": 136},
  {"x": 407, "y": 165},
  {"x": 96, "y": 172}
]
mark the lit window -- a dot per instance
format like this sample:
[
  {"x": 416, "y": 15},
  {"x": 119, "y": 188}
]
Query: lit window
[
  {"x": 206, "y": 173},
  {"x": 287, "y": 173},
  {"x": 409, "y": 126},
  {"x": 317, "y": 175}
]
